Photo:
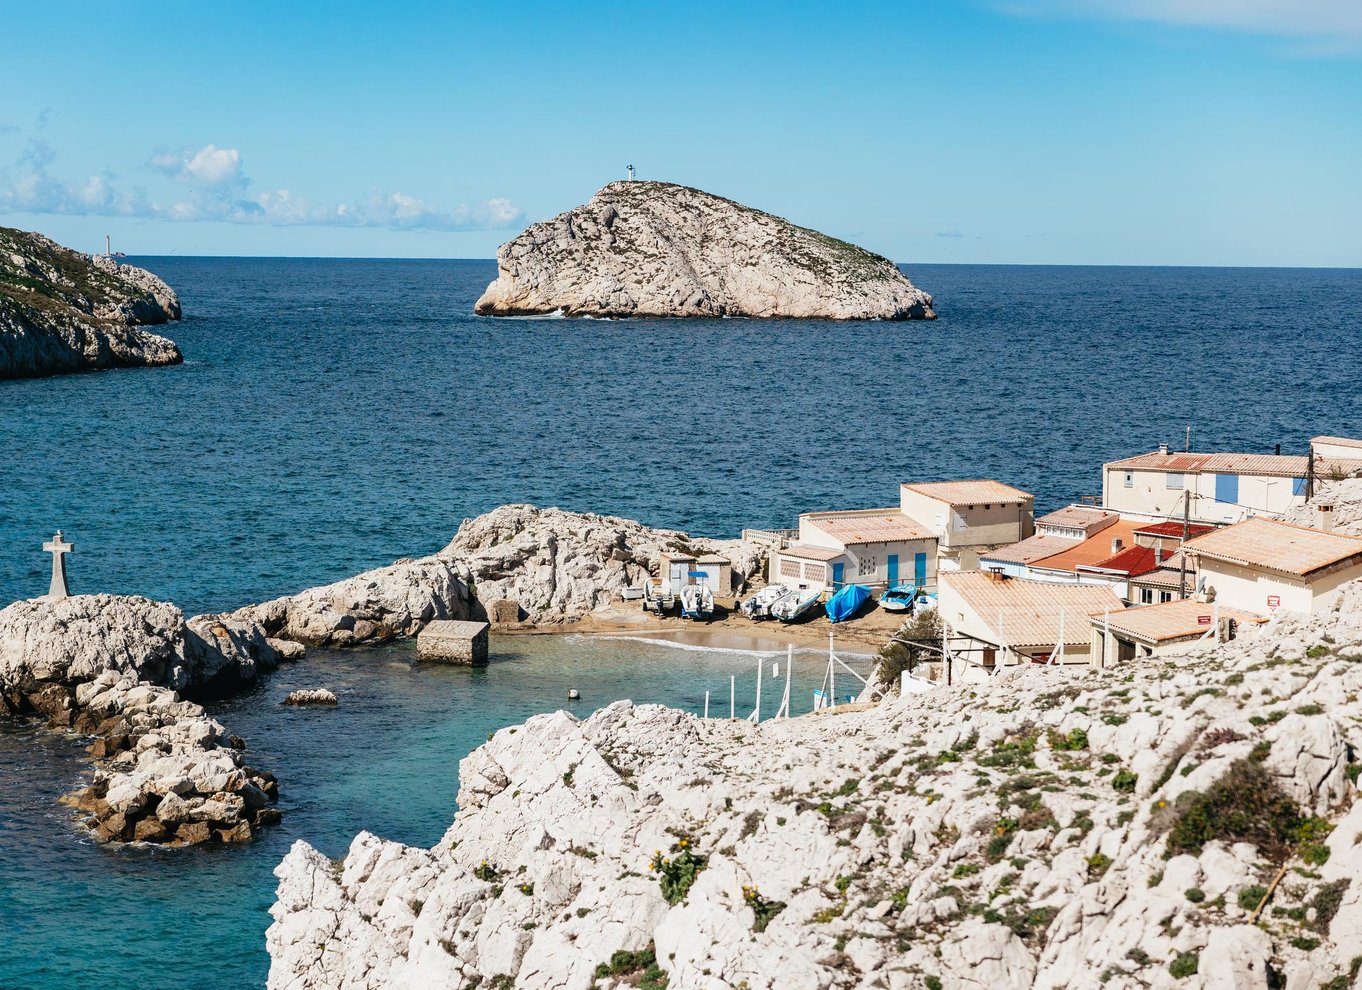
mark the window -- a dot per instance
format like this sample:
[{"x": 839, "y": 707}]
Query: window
[
  {"x": 1165, "y": 596},
  {"x": 866, "y": 566},
  {"x": 1146, "y": 596},
  {"x": 1129, "y": 481},
  {"x": 1175, "y": 480},
  {"x": 789, "y": 568},
  {"x": 1297, "y": 486}
]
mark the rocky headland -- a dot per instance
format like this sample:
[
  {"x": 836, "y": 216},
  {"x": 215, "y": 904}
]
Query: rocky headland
[
  {"x": 1187, "y": 822},
  {"x": 557, "y": 566},
  {"x": 120, "y": 669},
  {"x": 63, "y": 311},
  {"x": 655, "y": 249}
]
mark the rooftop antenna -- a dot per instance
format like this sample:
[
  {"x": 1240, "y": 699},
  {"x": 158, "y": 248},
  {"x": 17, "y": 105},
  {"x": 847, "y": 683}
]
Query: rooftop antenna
[{"x": 631, "y": 173}]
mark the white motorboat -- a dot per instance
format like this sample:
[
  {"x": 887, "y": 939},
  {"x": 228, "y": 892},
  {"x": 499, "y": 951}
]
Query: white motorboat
[
  {"x": 658, "y": 597},
  {"x": 697, "y": 602},
  {"x": 759, "y": 605},
  {"x": 795, "y": 604}
]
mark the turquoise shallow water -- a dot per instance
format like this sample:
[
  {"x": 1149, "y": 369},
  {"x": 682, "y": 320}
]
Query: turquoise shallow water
[{"x": 76, "y": 914}]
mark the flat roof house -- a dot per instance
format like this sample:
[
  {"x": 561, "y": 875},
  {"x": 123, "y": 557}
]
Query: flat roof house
[
  {"x": 1262, "y": 565},
  {"x": 1169, "y": 628},
  {"x": 1220, "y": 487},
  {"x": 874, "y": 547},
  {"x": 1013, "y": 621},
  {"x": 1336, "y": 447},
  {"x": 969, "y": 516}
]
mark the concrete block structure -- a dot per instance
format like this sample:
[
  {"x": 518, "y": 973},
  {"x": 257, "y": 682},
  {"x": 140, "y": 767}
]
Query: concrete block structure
[{"x": 453, "y": 641}]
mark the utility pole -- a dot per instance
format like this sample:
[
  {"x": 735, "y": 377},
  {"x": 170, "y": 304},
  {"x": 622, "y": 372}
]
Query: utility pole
[
  {"x": 1186, "y": 531},
  {"x": 1310, "y": 472}
]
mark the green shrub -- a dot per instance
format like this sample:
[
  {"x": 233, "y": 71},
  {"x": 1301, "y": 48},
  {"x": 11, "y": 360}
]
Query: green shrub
[
  {"x": 931, "y": 982},
  {"x": 1251, "y": 897},
  {"x": 1184, "y": 965},
  {"x": 642, "y": 963},
  {"x": 1098, "y": 864},
  {"x": 966, "y": 870},
  {"x": 1124, "y": 780},
  {"x": 1310, "y": 835},
  {"x": 1244, "y": 805},
  {"x": 486, "y": 872},
  {"x": 1317, "y": 651},
  {"x": 1075, "y": 740},
  {"x": 762, "y": 908},
  {"x": 896, "y": 657},
  {"x": 1195, "y": 894}
]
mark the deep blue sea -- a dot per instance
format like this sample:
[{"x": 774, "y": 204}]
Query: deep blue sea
[{"x": 334, "y": 415}]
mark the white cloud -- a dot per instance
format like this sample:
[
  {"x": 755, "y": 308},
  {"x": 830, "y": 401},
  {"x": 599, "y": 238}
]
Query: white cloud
[
  {"x": 1326, "y": 25},
  {"x": 219, "y": 189}
]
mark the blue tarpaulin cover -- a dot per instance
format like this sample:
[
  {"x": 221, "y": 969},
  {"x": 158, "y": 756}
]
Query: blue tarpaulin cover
[{"x": 844, "y": 604}]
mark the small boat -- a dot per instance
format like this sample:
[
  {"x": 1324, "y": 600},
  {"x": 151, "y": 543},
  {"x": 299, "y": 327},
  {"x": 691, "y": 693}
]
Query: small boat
[
  {"x": 925, "y": 603},
  {"x": 846, "y": 602},
  {"x": 697, "y": 602},
  {"x": 658, "y": 597},
  {"x": 795, "y": 604},
  {"x": 899, "y": 598},
  {"x": 759, "y": 605}
]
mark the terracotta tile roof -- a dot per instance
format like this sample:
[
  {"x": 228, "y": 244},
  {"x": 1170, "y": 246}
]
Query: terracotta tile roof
[
  {"x": 1162, "y": 577},
  {"x": 979, "y": 492},
  {"x": 1078, "y": 517},
  {"x": 1268, "y": 465},
  {"x": 1131, "y": 561},
  {"x": 868, "y": 526},
  {"x": 1338, "y": 441},
  {"x": 1030, "y": 610},
  {"x": 805, "y": 552},
  {"x": 1090, "y": 551},
  {"x": 1277, "y": 546},
  {"x": 1164, "y": 530},
  {"x": 713, "y": 558},
  {"x": 1169, "y": 620},
  {"x": 1032, "y": 548}
]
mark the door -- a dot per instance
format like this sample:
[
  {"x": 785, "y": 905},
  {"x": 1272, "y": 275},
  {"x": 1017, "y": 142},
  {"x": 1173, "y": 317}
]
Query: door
[
  {"x": 920, "y": 570},
  {"x": 837, "y": 570},
  {"x": 892, "y": 562},
  {"x": 1227, "y": 488}
]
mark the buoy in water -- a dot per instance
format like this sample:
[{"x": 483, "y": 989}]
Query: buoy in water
[{"x": 572, "y": 694}]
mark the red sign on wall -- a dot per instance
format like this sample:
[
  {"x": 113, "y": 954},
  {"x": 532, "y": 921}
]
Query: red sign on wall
[
  {"x": 1203, "y": 620},
  {"x": 1274, "y": 601}
]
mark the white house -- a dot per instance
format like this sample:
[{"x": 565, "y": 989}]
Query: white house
[
  {"x": 1262, "y": 565},
  {"x": 1168, "y": 628},
  {"x": 1012, "y": 620},
  {"x": 874, "y": 547},
  {"x": 1216, "y": 488},
  {"x": 969, "y": 516},
  {"x": 1055, "y": 532}
]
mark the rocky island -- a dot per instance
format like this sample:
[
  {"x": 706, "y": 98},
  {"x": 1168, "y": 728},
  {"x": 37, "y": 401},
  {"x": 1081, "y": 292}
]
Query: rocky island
[
  {"x": 62, "y": 311},
  {"x": 656, "y": 249}
]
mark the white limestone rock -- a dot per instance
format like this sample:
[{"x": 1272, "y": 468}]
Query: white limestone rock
[
  {"x": 63, "y": 311},
  {"x": 895, "y": 857},
  {"x": 657, "y": 249},
  {"x": 311, "y": 696}
]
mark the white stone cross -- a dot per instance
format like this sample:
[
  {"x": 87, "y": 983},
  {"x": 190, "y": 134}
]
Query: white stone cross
[{"x": 58, "y": 548}]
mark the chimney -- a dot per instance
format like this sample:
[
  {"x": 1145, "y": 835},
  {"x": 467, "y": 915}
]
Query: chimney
[
  {"x": 1116, "y": 544},
  {"x": 1163, "y": 448},
  {"x": 1158, "y": 551},
  {"x": 1279, "y": 450},
  {"x": 996, "y": 575},
  {"x": 1324, "y": 518}
]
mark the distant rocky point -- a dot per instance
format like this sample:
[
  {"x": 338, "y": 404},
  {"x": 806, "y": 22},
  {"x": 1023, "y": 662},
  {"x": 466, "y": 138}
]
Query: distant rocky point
[
  {"x": 655, "y": 249},
  {"x": 63, "y": 311}
]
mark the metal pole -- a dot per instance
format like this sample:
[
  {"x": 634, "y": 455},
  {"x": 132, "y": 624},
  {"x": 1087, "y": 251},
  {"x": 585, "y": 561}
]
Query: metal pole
[
  {"x": 946, "y": 650},
  {"x": 706, "y": 704},
  {"x": 1106, "y": 634},
  {"x": 1182, "y": 556},
  {"x": 832, "y": 673},
  {"x": 756, "y": 712},
  {"x": 732, "y": 690}
]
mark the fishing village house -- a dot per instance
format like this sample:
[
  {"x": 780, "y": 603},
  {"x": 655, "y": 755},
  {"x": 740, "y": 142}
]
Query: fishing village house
[
  {"x": 1055, "y": 532},
  {"x": 678, "y": 569},
  {"x": 969, "y": 517},
  {"x": 874, "y": 547},
  {"x": 1165, "y": 629},
  {"x": 996, "y": 620},
  {"x": 1220, "y": 487},
  {"x": 1263, "y": 565}
]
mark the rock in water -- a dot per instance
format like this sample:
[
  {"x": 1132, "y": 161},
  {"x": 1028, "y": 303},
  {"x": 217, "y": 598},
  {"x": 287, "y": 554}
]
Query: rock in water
[
  {"x": 63, "y": 311},
  {"x": 659, "y": 249},
  {"x": 314, "y": 696}
]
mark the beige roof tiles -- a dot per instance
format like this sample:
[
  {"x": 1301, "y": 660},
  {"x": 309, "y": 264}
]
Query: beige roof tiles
[
  {"x": 1169, "y": 620},
  {"x": 982, "y": 491},
  {"x": 1276, "y": 546},
  {"x": 1030, "y": 610},
  {"x": 868, "y": 526}
]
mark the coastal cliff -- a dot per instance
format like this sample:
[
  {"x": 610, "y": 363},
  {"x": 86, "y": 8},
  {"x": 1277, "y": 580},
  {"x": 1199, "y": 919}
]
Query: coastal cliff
[
  {"x": 1119, "y": 828},
  {"x": 655, "y": 249},
  {"x": 62, "y": 311}
]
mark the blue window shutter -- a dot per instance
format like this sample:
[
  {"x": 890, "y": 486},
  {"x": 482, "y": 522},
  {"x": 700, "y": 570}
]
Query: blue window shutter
[
  {"x": 1227, "y": 488},
  {"x": 1297, "y": 486}
]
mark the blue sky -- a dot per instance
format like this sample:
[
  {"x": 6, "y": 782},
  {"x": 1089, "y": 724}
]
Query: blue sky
[{"x": 1223, "y": 132}]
